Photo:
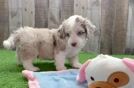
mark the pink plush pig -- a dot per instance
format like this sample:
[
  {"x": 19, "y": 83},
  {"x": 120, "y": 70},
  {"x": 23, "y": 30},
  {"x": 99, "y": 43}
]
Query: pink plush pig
[{"x": 107, "y": 72}]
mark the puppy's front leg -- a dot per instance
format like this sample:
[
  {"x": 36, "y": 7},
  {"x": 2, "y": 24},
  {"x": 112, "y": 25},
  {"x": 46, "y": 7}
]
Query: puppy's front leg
[
  {"x": 60, "y": 61},
  {"x": 75, "y": 62}
]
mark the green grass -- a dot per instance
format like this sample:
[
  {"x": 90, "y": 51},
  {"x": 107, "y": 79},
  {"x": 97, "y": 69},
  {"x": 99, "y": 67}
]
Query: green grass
[{"x": 10, "y": 73}]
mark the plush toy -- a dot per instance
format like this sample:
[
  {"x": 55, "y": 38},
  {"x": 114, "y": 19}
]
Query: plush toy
[{"x": 107, "y": 72}]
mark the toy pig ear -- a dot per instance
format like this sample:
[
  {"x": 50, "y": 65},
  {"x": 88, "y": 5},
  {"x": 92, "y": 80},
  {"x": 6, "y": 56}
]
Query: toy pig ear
[
  {"x": 81, "y": 76},
  {"x": 129, "y": 63}
]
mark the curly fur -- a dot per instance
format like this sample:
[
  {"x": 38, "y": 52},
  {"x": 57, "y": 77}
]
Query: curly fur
[{"x": 61, "y": 43}]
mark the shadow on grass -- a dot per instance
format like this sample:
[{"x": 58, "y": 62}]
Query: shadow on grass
[
  {"x": 49, "y": 66},
  {"x": 43, "y": 65}
]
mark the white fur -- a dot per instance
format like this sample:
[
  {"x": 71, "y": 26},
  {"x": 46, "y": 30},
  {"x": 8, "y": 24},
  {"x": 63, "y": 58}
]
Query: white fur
[
  {"x": 8, "y": 43},
  {"x": 32, "y": 42}
]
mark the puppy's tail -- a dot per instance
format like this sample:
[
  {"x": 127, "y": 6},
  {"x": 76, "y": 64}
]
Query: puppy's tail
[
  {"x": 14, "y": 38},
  {"x": 9, "y": 43}
]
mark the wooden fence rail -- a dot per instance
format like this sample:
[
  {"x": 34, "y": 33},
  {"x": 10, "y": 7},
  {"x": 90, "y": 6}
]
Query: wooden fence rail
[{"x": 114, "y": 20}]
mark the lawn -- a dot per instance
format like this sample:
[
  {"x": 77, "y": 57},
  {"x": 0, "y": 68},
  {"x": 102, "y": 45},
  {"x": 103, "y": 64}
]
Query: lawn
[{"x": 10, "y": 73}]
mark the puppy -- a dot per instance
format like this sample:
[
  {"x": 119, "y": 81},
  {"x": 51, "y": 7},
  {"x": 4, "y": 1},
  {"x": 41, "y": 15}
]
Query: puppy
[{"x": 61, "y": 43}]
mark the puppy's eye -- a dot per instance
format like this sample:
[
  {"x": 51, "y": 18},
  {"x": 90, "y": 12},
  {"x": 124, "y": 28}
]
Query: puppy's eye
[
  {"x": 67, "y": 34},
  {"x": 92, "y": 78},
  {"x": 80, "y": 33}
]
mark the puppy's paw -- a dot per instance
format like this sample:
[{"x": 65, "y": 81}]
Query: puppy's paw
[
  {"x": 61, "y": 68},
  {"x": 77, "y": 65},
  {"x": 33, "y": 69}
]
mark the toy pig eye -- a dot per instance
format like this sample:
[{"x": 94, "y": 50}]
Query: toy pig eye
[
  {"x": 92, "y": 78},
  {"x": 116, "y": 80}
]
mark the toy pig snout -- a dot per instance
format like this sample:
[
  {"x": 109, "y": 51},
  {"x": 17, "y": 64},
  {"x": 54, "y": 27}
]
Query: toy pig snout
[
  {"x": 115, "y": 80},
  {"x": 101, "y": 84}
]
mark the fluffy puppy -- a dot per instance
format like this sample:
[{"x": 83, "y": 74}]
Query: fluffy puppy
[{"x": 61, "y": 43}]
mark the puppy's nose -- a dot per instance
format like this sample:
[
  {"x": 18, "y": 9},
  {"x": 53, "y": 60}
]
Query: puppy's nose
[{"x": 74, "y": 44}]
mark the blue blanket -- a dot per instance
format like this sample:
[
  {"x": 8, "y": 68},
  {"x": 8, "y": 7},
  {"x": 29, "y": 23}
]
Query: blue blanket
[{"x": 54, "y": 79}]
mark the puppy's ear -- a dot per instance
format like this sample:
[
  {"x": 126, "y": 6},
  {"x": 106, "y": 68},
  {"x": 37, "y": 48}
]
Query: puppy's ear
[
  {"x": 61, "y": 32},
  {"x": 89, "y": 27},
  {"x": 59, "y": 38}
]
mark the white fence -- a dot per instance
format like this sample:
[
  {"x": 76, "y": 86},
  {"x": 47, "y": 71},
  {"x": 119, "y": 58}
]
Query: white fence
[{"x": 114, "y": 20}]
